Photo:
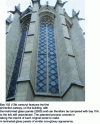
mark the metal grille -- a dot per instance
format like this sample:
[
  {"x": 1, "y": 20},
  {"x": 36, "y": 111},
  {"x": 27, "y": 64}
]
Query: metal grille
[
  {"x": 47, "y": 76},
  {"x": 15, "y": 73},
  {"x": 41, "y": 66}
]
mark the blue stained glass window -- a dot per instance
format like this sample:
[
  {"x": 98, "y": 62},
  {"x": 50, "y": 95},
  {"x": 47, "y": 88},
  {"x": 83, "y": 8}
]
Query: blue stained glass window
[
  {"x": 47, "y": 64},
  {"x": 41, "y": 65},
  {"x": 15, "y": 73},
  {"x": 53, "y": 75}
]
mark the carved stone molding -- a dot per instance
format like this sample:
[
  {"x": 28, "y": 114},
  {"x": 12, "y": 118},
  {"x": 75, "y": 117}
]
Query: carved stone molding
[
  {"x": 47, "y": 12},
  {"x": 25, "y": 20}
]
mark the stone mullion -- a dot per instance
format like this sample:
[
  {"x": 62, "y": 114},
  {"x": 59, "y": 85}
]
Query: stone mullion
[{"x": 47, "y": 57}]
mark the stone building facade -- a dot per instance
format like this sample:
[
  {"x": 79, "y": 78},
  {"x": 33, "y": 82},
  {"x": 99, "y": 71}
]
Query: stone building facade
[{"x": 45, "y": 54}]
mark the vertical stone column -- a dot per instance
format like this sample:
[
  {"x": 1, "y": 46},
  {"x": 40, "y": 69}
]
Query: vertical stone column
[
  {"x": 68, "y": 74},
  {"x": 78, "y": 43},
  {"x": 34, "y": 29},
  {"x": 26, "y": 80}
]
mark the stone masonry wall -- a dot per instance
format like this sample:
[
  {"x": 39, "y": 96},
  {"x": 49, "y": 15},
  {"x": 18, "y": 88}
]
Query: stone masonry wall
[{"x": 12, "y": 43}]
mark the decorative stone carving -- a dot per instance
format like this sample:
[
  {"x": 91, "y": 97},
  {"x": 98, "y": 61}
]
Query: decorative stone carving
[
  {"x": 47, "y": 11},
  {"x": 17, "y": 9},
  {"x": 76, "y": 14},
  {"x": 60, "y": 3}
]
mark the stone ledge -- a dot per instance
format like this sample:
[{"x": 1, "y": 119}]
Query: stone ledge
[
  {"x": 69, "y": 84},
  {"x": 21, "y": 79},
  {"x": 47, "y": 94},
  {"x": 26, "y": 79},
  {"x": 34, "y": 11},
  {"x": 10, "y": 98},
  {"x": 30, "y": 35},
  {"x": 62, "y": 14},
  {"x": 64, "y": 24},
  {"x": 71, "y": 55},
  {"x": 32, "y": 21},
  {"x": 27, "y": 51},
  {"x": 60, "y": 95},
  {"x": 68, "y": 38}
]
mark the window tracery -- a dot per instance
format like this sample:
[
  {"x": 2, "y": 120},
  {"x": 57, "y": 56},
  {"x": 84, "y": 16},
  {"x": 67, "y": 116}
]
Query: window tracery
[{"x": 47, "y": 75}]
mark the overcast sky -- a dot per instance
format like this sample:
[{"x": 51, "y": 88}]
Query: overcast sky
[{"x": 71, "y": 4}]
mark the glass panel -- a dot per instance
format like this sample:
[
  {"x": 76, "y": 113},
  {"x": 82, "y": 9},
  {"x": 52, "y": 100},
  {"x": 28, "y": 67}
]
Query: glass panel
[
  {"x": 53, "y": 75},
  {"x": 15, "y": 73},
  {"x": 42, "y": 60},
  {"x": 41, "y": 65}
]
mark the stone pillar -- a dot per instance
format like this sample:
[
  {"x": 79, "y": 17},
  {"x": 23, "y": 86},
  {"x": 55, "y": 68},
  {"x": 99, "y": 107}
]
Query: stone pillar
[
  {"x": 34, "y": 29},
  {"x": 12, "y": 43},
  {"x": 68, "y": 74},
  {"x": 26, "y": 80},
  {"x": 78, "y": 44}
]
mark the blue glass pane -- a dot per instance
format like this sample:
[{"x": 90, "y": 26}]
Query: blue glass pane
[
  {"x": 41, "y": 65},
  {"x": 15, "y": 73},
  {"x": 53, "y": 75},
  {"x": 52, "y": 64}
]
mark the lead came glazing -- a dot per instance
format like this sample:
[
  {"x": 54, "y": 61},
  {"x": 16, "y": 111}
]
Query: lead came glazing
[
  {"x": 43, "y": 53},
  {"x": 15, "y": 73},
  {"x": 53, "y": 75},
  {"x": 41, "y": 66}
]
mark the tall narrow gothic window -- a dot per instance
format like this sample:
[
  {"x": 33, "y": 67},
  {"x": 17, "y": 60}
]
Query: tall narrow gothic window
[
  {"x": 13, "y": 83},
  {"x": 47, "y": 76}
]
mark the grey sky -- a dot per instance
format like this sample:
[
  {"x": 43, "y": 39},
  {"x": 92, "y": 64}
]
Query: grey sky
[{"x": 71, "y": 4}]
